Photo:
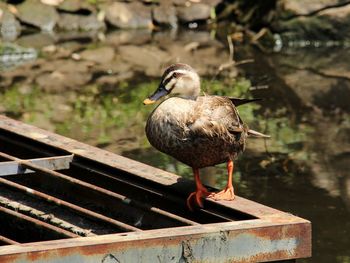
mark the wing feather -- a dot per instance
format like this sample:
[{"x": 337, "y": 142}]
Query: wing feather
[{"x": 215, "y": 116}]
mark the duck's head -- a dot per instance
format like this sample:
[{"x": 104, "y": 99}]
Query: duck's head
[{"x": 178, "y": 80}]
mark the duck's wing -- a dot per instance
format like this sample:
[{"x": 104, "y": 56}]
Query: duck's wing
[
  {"x": 215, "y": 116},
  {"x": 240, "y": 101}
]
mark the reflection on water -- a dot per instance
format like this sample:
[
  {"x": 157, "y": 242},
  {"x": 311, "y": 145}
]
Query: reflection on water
[{"x": 93, "y": 92}]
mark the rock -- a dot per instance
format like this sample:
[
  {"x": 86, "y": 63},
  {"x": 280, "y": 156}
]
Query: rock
[
  {"x": 75, "y": 6},
  {"x": 59, "y": 81},
  {"x": 134, "y": 37},
  {"x": 288, "y": 8},
  {"x": 128, "y": 15},
  {"x": 116, "y": 66},
  {"x": 65, "y": 66},
  {"x": 307, "y": 90},
  {"x": 52, "y": 2},
  {"x": 109, "y": 82},
  {"x": 179, "y": 2},
  {"x": 12, "y": 55},
  {"x": 316, "y": 77},
  {"x": 10, "y": 27},
  {"x": 147, "y": 58},
  {"x": 33, "y": 12},
  {"x": 38, "y": 40},
  {"x": 330, "y": 23},
  {"x": 98, "y": 55},
  {"x": 72, "y": 22},
  {"x": 194, "y": 12},
  {"x": 165, "y": 15}
]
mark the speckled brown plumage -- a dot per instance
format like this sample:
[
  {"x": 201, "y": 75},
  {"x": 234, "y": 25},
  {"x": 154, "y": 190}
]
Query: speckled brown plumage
[{"x": 200, "y": 133}]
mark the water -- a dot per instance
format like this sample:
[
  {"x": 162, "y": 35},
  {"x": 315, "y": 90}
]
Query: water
[{"x": 93, "y": 91}]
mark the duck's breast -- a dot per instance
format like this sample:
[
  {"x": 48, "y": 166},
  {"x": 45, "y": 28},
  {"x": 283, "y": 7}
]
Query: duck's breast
[{"x": 167, "y": 125}]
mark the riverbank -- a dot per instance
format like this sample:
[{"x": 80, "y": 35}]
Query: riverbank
[{"x": 267, "y": 21}]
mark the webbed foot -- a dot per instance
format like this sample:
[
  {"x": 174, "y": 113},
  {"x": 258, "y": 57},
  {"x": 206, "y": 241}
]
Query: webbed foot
[{"x": 226, "y": 194}]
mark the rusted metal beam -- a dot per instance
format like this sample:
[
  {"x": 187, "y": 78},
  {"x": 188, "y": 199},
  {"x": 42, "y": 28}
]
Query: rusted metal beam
[
  {"x": 119, "y": 197},
  {"x": 255, "y": 241},
  {"x": 159, "y": 198},
  {"x": 51, "y": 163},
  {"x": 75, "y": 208},
  {"x": 28, "y": 225},
  {"x": 7, "y": 241}
]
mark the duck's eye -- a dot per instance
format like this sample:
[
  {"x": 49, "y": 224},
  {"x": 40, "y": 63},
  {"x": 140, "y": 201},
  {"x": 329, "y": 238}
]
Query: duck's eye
[{"x": 169, "y": 82}]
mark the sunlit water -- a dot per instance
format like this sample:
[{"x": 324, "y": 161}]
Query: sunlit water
[{"x": 302, "y": 169}]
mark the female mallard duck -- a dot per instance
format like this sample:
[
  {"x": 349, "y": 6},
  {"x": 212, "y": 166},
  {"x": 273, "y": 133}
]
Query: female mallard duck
[{"x": 199, "y": 131}]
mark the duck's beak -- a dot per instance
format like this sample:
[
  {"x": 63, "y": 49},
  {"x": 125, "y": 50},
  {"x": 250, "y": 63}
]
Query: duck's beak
[
  {"x": 148, "y": 101},
  {"x": 159, "y": 93}
]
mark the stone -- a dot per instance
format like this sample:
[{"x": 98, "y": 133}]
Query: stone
[
  {"x": 37, "y": 40},
  {"x": 194, "y": 12},
  {"x": 128, "y": 15},
  {"x": 147, "y": 58},
  {"x": 134, "y": 37},
  {"x": 327, "y": 24},
  {"x": 116, "y": 66},
  {"x": 288, "y": 8},
  {"x": 52, "y": 2},
  {"x": 165, "y": 15},
  {"x": 59, "y": 81},
  {"x": 98, "y": 55},
  {"x": 10, "y": 27},
  {"x": 73, "y": 22},
  {"x": 35, "y": 13},
  {"x": 64, "y": 65},
  {"x": 109, "y": 82},
  {"x": 75, "y": 6}
]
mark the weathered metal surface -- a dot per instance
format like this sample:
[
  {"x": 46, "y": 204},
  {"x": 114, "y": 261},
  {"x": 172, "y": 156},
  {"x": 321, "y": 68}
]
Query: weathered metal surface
[
  {"x": 73, "y": 207},
  {"x": 260, "y": 233},
  {"x": 8, "y": 241},
  {"x": 95, "y": 216},
  {"x": 42, "y": 216},
  {"x": 51, "y": 163},
  {"x": 29, "y": 222},
  {"x": 92, "y": 188},
  {"x": 229, "y": 242}
]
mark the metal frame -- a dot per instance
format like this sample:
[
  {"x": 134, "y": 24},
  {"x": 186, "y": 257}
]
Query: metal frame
[
  {"x": 51, "y": 163},
  {"x": 272, "y": 235}
]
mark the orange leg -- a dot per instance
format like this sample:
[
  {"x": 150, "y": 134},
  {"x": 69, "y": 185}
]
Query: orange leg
[
  {"x": 195, "y": 198},
  {"x": 228, "y": 193}
]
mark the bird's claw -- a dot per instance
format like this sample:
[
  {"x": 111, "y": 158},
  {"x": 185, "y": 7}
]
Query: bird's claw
[
  {"x": 195, "y": 199},
  {"x": 226, "y": 194}
]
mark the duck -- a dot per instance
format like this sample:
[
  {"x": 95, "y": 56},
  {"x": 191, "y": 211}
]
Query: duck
[{"x": 197, "y": 130}]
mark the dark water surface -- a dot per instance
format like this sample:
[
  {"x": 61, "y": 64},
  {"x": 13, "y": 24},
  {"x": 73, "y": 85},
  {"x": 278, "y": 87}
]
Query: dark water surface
[{"x": 303, "y": 169}]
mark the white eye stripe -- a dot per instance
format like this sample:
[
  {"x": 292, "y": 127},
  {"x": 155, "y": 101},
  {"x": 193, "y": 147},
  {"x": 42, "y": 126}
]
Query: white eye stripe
[
  {"x": 180, "y": 71},
  {"x": 170, "y": 84}
]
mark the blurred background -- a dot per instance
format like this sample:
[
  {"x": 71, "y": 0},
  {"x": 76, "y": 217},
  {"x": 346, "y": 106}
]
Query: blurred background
[{"x": 82, "y": 69}]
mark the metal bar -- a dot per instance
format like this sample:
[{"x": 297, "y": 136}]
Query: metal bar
[
  {"x": 120, "y": 197},
  {"x": 75, "y": 208},
  {"x": 8, "y": 241},
  {"x": 156, "y": 195},
  {"x": 60, "y": 233},
  {"x": 253, "y": 241},
  {"x": 49, "y": 218},
  {"x": 52, "y": 163}
]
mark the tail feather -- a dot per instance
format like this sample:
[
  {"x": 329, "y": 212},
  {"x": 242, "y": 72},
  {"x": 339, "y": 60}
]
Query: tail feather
[
  {"x": 239, "y": 101},
  {"x": 257, "y": 134}
]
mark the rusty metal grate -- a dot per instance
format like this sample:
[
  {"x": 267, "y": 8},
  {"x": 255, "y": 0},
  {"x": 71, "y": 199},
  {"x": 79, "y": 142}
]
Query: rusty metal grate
[{"x": 54, "y": 188}]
